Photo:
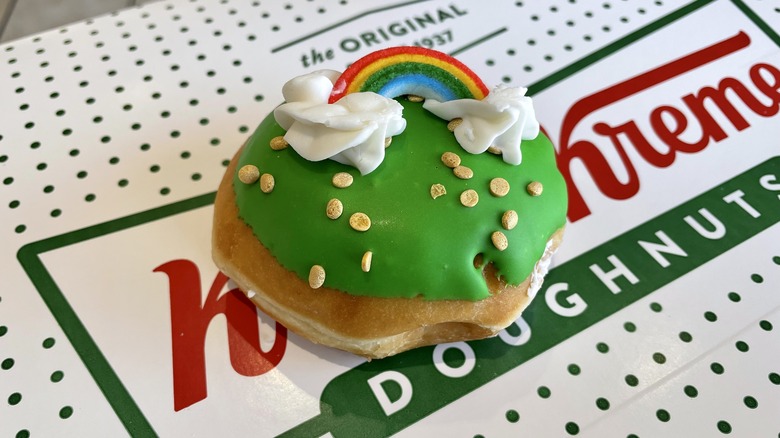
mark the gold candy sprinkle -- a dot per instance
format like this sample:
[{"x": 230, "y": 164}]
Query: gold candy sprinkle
[
  {"x": 469, "y": 198},
  {"x": 334, "y": 209},
  {"x": 509, "y": 219},
  {"x": 388, "y": 140},
  {"x": 534, "y": 188},
  {"x": 365, "y": 263},
  {"x": 454, "y": 123},
  {"x": 499, "y": 187},
  {"x": 463, "y": 172},
  {"x": 342, "y": 180},
  {"x": 450, "y": 159},
  {"x": 360, "y": 222},
  {"x": 438, "y": 190},
  {"x": 248, "y": 174},
  {"x": 499, "y": 240},
  {"x": 494, "y": 150},
  {"x": 316, "y": 276},
  {"x": 267, "y": 183},
  {"x": 279, "y": 143},
  {"x": 414, "y": 98}
]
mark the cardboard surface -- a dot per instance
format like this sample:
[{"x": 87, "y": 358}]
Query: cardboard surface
[{"x": 660, "y": 316}]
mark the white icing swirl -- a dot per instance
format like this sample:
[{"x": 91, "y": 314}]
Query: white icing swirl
[
  {"x": 502, "y": 119},
  {"x": 351, "y": 131}
]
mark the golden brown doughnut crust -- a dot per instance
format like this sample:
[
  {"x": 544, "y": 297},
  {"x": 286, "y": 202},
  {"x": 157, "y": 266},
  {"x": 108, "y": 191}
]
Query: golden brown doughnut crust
[{"x": 368, "y": 326}]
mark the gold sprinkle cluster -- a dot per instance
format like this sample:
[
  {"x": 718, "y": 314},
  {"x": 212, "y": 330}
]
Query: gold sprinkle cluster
[{"x": 498, "y": 187}]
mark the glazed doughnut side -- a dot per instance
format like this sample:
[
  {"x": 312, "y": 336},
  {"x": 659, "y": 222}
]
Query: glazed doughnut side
[
  {"x": 421, "y": 246},
  {"x": 368, "y": 326}
]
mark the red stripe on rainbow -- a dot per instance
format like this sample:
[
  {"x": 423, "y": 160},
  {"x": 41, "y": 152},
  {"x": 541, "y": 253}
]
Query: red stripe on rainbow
[{"x": 354, "y": 78}]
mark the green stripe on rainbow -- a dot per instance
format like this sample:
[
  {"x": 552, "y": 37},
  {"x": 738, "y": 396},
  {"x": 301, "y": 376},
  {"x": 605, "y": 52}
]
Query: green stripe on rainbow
[{"x": 410, "y": 70}]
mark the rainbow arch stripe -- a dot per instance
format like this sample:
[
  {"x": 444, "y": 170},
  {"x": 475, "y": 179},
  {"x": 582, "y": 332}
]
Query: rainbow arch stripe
[{"x": 397, "y": 71}]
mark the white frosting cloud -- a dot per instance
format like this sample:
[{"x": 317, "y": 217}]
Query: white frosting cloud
[
  {"x": 502, "y": 119},
  {"x": 351, "y": 131}
]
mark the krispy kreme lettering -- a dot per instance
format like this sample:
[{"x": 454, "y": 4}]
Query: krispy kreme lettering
[{"x": 764, "y": 77}]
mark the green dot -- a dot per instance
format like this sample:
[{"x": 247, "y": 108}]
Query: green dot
[
  {"x": 145, "y": 147},
  {"x": 14, "y": 399},
  {"x": 7, "y": 364},
  {"x": 123, "y": 182},
  {"x": 8, "y": 181},
  {"x": 56, "y": 212},
  {"x": 225, "y": 163},
  {"x": 733, "y": 296},
  {"x": 543, "y": 391},
  {"x": 35, "y": 145},
  {"x": 659, "y": 358},
  {"x": 602, "y": 347},
  {"x": 632, "y": 380},
  {"x": 655, "y": 307},
  {"x": 57, "y": 376},
  {"x": 66, "y": 412},
  {"x": 602, "y": 403},
  {"x": 3, "y": 330},
  {"x": 231, "y": 109},
  {"x": 204, "y": 121},
  {"x": 630, "y": 327},
  {"x": 243, "y": 129},
  {"x": 184, "y": 155},
  {"x": 691, "y": 391},
  {"x": 766, "y": 325},
  {"x": 48, "y": 343},
  {"x": 74, "y": 152},
  {"x": 742, "y": 346},
  {"x": 135, "y": 126},
  {"x": 82, "y": 174},
  {"x": 774, "y": 378},
  {"x": 685, "y": 336},
  {"x": 164, "y": 191},
  {"x": 155, "y": 168},
  {"x": 41, "y": 166},
  {"x": 165, "y": 114},
  {"x": 512, "y": 416},
  {"x": 196, "y": 177},
  {"x": 572, "y": 428},
  {"x": 710, "y": 316},
  {"x": 90, "y": 197},
  {"x": 105, "y": 139},
  {"x": 631, "y": 435},
  {"x": 724, "y": 426},
  {"x": 750, "y": 402},
  {"x": 574, "y": 369},
  {"x": 20, "y": 228},
  {"x": 776, "y": 259},
  {"x": 214, "y": 141},
  {"x": 24, "y": 433},
  {"x": 113, "y": 160},
  {"x": 757, "y": 278},
  {"x": 662, "y": 415},
  {"x": 716, "y": 368},
  {"x": 13, "y": 204}
]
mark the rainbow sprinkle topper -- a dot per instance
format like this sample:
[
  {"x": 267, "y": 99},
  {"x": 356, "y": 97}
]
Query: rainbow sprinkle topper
[{"x": 419, "y": 71}]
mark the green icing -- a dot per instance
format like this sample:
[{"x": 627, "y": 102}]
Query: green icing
[{"x": 421, "y": 246}]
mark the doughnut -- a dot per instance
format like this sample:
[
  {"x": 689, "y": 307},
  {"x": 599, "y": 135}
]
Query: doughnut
[{"x": 395, "y": 205}]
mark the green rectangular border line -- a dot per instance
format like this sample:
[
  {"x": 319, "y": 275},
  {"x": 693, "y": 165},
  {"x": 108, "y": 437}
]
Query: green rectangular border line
[{"x": 96, "y": 363}]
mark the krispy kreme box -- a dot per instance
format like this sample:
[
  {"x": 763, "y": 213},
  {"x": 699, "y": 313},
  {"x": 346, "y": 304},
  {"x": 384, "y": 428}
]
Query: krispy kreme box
[{"x": 660, "y": 316}]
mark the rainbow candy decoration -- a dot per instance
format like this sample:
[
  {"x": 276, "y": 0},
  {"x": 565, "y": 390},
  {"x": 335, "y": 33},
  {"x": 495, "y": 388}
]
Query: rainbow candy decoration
[{"x": 397, "y": 71}]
